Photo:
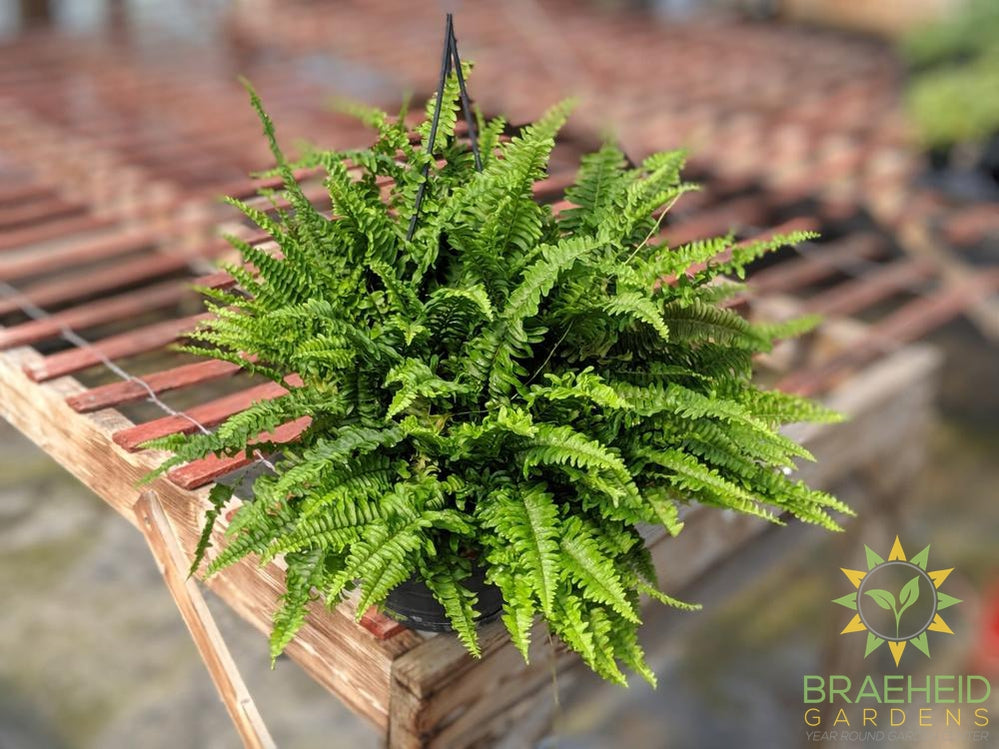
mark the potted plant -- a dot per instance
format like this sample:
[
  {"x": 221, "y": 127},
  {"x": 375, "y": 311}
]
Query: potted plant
[
  {"x": 499, "y": 395},
  {"x": 954, "y": 73}
]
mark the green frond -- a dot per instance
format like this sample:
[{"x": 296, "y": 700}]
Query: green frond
[
  {"x": 639, "y": 307},
  {"x": 218, "y": 496},
  {"x": 450, "y": 107},
  {"x": 444, "y": 581},
  {"x": 699, "y": 323},
  {"x": 304, "y": 572},
  {"x": 596, "y": 194},
  {"x": 746, "y": 253},
  {"x": 528, "y": 521},
  {"x": 593, "y": 571}
]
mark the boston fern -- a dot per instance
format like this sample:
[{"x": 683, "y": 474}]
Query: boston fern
[{"x": 511, "y": 390}]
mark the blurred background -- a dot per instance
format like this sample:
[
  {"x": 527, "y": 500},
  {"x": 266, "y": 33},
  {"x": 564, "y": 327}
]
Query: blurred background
[{"x": 875, "y": 122}]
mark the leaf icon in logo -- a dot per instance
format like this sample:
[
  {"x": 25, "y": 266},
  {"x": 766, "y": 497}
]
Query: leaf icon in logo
[
  {"x": 882, "y": 598},
  {"x": 908, "y": 595}
]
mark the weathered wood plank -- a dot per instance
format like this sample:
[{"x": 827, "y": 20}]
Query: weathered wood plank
[
  {"x": 891, "y": 333},
  {"x": 206, "y": 635},
  {"x": 820, "y": 263},
  {"x": 14, "y": 194},
  {"x": 109, "y": 309},
  {"x": 874, "y": 286},
  {"x": 76, "y": 253},
  {"x": 37, "y": 211},
  {"x": 751, "y": 210},
  {"x": 43, "y": 232},
  {"x": 47, "y": 293},
  {"x": 342, "y": 656}
]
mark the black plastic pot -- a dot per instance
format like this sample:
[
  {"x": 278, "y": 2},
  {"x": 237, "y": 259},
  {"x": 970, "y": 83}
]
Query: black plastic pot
[
  {"x": 970, "y": 181},
  {"x": 414, "y": 605}
]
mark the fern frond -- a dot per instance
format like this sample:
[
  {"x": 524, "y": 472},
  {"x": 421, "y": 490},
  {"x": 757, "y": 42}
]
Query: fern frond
[
  {"x": 218, "y": 496},
  {"x": 599, "y": 581},
  {"x": 444, "y": 581},
  {"x": 304, "y": 572},
  {"x": 528, "y": 521}
]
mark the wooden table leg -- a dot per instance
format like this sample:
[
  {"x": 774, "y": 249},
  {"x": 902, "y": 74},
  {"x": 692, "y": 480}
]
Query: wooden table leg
[{"x": 170, "y": 559}]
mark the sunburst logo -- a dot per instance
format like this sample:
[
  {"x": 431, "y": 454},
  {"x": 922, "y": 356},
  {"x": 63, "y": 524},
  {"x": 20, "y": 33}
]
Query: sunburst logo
[{"x": 897, "y": 601}]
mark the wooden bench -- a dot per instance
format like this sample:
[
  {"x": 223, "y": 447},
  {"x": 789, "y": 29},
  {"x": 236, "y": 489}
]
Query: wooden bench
[{"x": 91, "y": 295}]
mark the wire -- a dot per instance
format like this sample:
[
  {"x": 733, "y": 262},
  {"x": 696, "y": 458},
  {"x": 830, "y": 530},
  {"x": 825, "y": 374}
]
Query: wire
[
  {"x": 35, "y": 312},
  {"x": 449, "y": 57}
]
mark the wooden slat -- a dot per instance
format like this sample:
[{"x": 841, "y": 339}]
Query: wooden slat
[
  {"x": 821, "y": 262},
  {"x": 554, "y": 185},
  {"x": 103, "y": 311},
  {"x": 37, "y": 211},
  {"x": 927, "y": 313},
  {"x": 331, "y": 647},
  {"x": 49, "y": 230},
  {"x": 719, "y": 219},
  {"x": 133, "y": 342},
  {"x": 207, "y": 414},
  {"x": 908, "y": 323},
  {"x": 16, "y": 194},
  {"x": 198, "y": 473},
  {"x": 128, "y": 391},
  {"x": 47, "y": 293},
  {"x": 874, "y": 286},
  {"x": 76, "y": 253}
]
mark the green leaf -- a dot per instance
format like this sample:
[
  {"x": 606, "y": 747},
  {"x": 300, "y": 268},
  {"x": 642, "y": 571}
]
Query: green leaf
[
  {"x": 908, "y": 595},
  {"x": 882, "y": 598},
  {"x": 217, "y": 496}
]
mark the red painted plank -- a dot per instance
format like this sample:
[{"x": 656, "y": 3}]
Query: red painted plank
[
  {"x": 23, "y": 194},
  {"x": 908, "y": 323},
  {"x": 129, "y": 391},
  {"x": 46, "y": 293},
  {"x": 561, "y": 205},
  {"x": 554, "y": 185},
  {"x": 821, "y": 262},
  {"x": 51, "y": 230},
  {"x": 83, "y": 251},
  {"x": 380, "y": 625},
  {"x": 874, "y": 286},
  {"x": 136, "y": 341},
  {"x": 248, "y": 186},
  {"x": 972, "y": 224},
  {"x": 38, "y": 211},
  {"x": 206, "y": 414},
  {"x": 201, "y": 472},
  {"x": 96, "y": 313},
  {"x": 719, "y": 219}
]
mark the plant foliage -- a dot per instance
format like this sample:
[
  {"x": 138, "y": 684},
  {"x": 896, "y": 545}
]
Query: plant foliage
[
  {"x": 955, "y": 62},
  {"x": 513, "y": 389}
]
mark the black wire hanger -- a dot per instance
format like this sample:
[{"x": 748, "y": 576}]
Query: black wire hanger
[{"x": 449, "y": 60}]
